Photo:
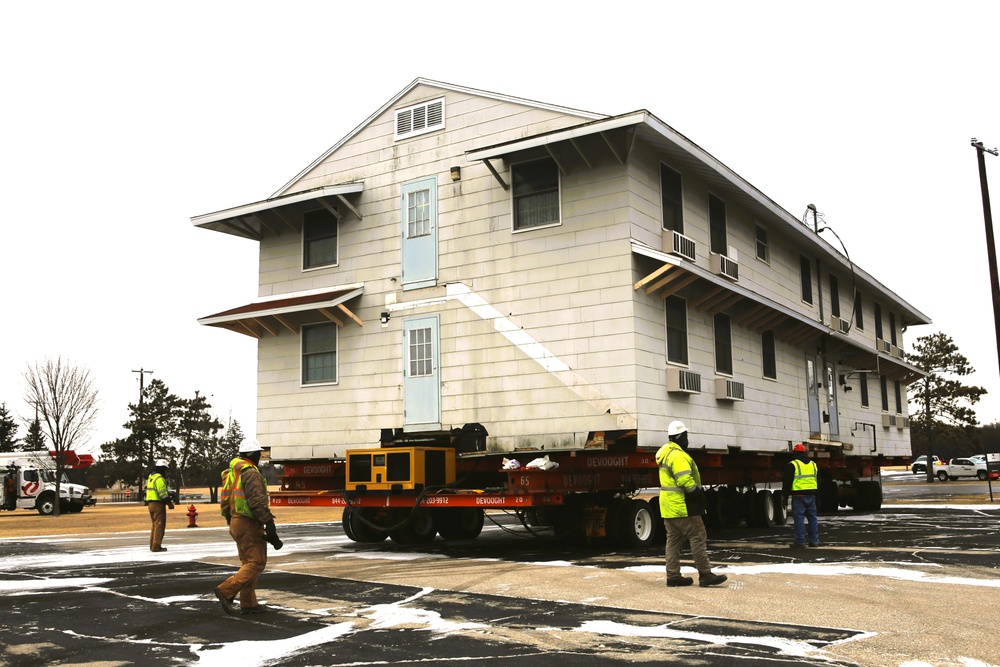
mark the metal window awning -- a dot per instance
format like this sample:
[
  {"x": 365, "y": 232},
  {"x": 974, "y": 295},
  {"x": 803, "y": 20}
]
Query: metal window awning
[
  {"x": 271, "y": 216},
  {"x": 289, "y": 311},
  {"x": 752, "y": 311}
]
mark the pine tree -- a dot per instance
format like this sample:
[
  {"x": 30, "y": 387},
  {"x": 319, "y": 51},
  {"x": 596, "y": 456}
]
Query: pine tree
[{"x": 8, "y": 430}]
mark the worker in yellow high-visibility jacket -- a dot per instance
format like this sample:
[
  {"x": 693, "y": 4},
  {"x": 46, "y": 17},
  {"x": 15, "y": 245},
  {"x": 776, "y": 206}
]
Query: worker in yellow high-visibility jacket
[
  {"x": 801, "y": 484},
  {"x": 157, "y": 501},
  {"x": 682, "y": 504}
]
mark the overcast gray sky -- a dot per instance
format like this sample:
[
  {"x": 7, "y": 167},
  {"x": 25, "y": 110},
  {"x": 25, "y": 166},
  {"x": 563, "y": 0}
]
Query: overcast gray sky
[{"x": 121, "y": 120}]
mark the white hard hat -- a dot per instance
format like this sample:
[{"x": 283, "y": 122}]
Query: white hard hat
[
  {"x": 160, "y": 463},
  {"x": 676, "y": 428},
  {"x": 250, "y": 447}
]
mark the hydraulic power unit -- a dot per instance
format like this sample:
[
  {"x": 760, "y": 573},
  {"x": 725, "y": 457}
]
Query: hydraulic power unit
[{"x": 399, "y": 468}]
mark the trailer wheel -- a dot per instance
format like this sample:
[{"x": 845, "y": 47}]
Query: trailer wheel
[
  {"x": 659, "y": 530},
  {"x": 460, "y": 523},
  {"x": 869, "y": 496},
  {"x": 762, "y": 510},
  {"x": 780, "y": 513},
  {"x": 418, "y": 526},
  {"x": 711, "y": 517},
  {"x": 729, "y": 507},
  {"x": 46, "y": 503},
  {"x": 634, "y": 524},
  {"x": 829, "y": 496},
  {"x": 360, "y": 531}
]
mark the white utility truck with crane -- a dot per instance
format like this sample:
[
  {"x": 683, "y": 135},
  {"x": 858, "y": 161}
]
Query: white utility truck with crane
[{"x": 28, "y": 481}]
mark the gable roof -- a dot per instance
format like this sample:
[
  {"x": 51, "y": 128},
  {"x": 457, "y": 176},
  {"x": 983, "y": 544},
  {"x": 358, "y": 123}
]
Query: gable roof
[{"x": 443, "y": 86}]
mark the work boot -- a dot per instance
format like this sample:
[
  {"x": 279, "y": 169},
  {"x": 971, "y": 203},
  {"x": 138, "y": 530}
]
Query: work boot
[
  {"x": 227, "y": 604},
  {"x": 814, "y": 544},
  {"x": 711, "y": 579},
  {"x": 796, "y": 545},
  {"x": 259, "y": 609},
  {"x": 679, "y": 581}
]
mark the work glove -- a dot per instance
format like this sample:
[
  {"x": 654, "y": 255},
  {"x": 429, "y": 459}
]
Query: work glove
[
  {"x": 696, "y": 502},
  {"x": 170, "y": 505},
  {"x": 271, "y": 535},
  {"x": 229, "y": 519}
]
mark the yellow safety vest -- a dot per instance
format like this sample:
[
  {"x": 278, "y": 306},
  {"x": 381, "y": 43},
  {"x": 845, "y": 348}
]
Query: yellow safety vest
[
  {"x": 156, "y": 488},
  {"x": 806, "y": 476},
  {"x": 233, "y": 494},
  {"x": 678, "y": 472}
]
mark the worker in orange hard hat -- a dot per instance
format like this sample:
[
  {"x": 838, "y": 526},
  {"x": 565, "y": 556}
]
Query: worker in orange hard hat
[{"x": 801, "y": 485}]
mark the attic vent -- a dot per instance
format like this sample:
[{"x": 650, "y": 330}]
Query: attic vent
[{"x": 420, "y": 118}]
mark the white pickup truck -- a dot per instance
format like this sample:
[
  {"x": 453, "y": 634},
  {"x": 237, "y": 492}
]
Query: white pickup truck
[{"x": 957, "y": 468}]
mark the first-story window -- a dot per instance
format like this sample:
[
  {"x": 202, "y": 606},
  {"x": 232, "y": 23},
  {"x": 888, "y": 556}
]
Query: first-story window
[
  {"x": 319, "y": 353},
  {"x": 535, "y": 186},
  {"x": 768, "y": 358},
  {"x": 723, "y": 345},
  {"x": 677, "y": 330},
  {"x": 319, "y": 239}
]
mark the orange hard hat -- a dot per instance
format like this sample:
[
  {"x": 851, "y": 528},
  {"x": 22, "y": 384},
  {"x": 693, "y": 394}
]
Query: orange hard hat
[{"x": 799, "y": 448}]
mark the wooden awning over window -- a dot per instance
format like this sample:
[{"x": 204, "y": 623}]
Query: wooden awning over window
[
  {"x": 712, "y": 294},
  {"x": 271, "y": 216},
  {"x": 289, "y": 312}
]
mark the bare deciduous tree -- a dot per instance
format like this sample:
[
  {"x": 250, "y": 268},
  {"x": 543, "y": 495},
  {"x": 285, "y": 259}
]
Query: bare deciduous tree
[{"x": 66, "y": 401}]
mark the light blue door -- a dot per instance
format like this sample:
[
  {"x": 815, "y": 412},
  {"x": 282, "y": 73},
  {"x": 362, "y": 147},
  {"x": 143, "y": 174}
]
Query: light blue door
[
  {"x": 420, "y": 233},
  {"x": 812, "y": 395},
  {"x": 421, "y": 374}
]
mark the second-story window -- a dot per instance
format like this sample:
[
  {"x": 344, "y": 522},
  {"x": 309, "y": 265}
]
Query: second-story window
[
  {"x": 863, "y": 383},
  {"x": 885, "y": 392},
  {"x": 319, "y": 239},
  {"x": 723, "y": 345},
  {"x": 717, "y": 225},
  {"x": 834, "y": 296},
  {"x": 670, "y": 194},
  {"x": 536, "y": 193},
  {"x": 878, "y": 322},
  {"x": 859, "y": 320},
  {"x": 763, "y": 249},
  {"x": 677, "y": 330},
  {"x": 899, "y": 397},
  {"x": 807, "y": 283},
  {"x": 892, "y": 328}
]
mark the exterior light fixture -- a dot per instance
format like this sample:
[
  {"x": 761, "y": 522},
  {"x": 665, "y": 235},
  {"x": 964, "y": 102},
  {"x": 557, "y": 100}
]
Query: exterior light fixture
[
  {"x": 456, "y": 173},
  {"x": 384, "y": 318}
]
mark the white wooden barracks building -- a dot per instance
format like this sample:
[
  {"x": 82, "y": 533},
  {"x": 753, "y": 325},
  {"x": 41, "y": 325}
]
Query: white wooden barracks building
[{"x": 464, "y": 256}]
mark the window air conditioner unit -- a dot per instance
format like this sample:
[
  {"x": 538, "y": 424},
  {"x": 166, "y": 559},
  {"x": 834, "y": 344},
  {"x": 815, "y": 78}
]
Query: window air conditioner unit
[
  {"x": 683, "y": 246},
  {"x": 728, "y": 390},
  {"x": 903, "y": 422},
  {"x": 725, "y": 267},
  {"x": 895, "y": 351},
  {"x": 888, "y": 420},
  {"x": 882, "y": 345},
  {"x": 682, "y": 381},
  {"x": 840, "y": 325}
]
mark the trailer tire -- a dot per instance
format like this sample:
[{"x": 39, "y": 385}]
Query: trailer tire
[
  {"x": 46, "y": 503},
  {"x": 460, "y": 523},
  {"x": 711, "y": 517},
  {"x": 659, "y": 530},
  {"x": 829, "y": 496},
  {"x": 359, "y": 531},
  {"x": 634, "y": 525},
  {"x": 417, "y": 529},
  {"x": 762, "y": 509},
  {"x": 869, "y": 497},
  {"x": 729, "y": 507},
  {"x": 780, "y": 513}
]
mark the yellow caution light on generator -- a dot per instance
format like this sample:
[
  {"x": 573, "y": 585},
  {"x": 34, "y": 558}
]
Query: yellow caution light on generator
[{"x": 399, "y": 468}]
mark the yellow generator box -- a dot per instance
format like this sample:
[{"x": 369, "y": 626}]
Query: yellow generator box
[{"x": 399, "y": 468}]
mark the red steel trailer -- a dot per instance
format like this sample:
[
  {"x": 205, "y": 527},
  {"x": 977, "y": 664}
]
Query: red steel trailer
[{"x": 416, "y": 486}]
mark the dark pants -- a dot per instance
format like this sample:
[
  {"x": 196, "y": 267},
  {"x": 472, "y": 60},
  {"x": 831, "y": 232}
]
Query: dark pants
[
  {"x": 686, "y": 529},
  {"x": 252, "y": 548},
  {"x": 804, "y": 509}
]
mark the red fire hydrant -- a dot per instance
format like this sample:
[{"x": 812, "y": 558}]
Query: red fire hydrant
[{"x": 192, "y": 515}]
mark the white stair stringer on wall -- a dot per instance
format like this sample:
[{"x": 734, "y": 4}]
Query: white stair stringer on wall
[{"x": 529, "y": 346}]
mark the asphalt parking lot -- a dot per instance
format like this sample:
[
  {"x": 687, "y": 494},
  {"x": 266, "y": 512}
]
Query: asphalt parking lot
[{"x": 890, "y": 588}]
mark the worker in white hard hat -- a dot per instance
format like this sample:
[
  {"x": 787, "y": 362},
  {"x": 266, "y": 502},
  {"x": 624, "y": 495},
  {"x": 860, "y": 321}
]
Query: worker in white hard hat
[
  {"x": 682, "y": 504},
  {"x": 244, "y": 504},
  {"x": 158, "y": 501}
]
